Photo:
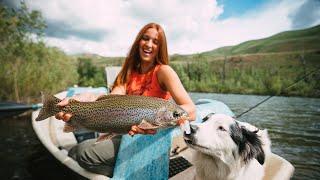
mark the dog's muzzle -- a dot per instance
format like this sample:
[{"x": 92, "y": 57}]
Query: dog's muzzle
[{"x": 189, "y": 138}]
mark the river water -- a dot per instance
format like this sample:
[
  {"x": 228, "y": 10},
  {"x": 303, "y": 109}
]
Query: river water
[{"x": 293, "y": 124}]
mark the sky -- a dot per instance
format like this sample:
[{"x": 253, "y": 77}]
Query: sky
[{"x": 109, "y": 27}]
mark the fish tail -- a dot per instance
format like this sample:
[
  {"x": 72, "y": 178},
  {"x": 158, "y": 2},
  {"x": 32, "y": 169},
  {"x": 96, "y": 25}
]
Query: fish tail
[{"x": 49, "y": 107}]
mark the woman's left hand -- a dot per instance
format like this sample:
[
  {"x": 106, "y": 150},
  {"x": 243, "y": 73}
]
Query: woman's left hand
[{"x": 136, "y": 130}]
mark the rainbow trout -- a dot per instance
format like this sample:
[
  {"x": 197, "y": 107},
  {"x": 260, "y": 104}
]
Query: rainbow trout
[{"x": 115, "y": 113}]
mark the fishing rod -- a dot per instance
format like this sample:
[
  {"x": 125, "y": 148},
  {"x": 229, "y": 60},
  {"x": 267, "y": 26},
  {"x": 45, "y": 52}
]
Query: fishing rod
[
  {"x": 13, "y": 108},
  {"x": 269, "y": 97}
]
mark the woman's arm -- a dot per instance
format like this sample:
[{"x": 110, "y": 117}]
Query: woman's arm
[
  {"x": 120, "y": 89},
  {"x": 169, "y": 81}
]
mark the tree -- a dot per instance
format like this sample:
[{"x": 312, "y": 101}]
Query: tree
[{"x": 28, "y": 66}]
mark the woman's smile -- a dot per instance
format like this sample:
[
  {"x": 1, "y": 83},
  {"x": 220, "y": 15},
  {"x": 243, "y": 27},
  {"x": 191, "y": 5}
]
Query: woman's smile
[{"x": 148, "y": 46}]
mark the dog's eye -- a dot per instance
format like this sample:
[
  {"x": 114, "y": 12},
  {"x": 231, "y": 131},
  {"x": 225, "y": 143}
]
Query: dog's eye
[{"x": 221, "y": 128}]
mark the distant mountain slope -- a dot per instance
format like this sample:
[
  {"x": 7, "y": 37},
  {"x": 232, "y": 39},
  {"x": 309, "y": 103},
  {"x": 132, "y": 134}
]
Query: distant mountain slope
[
  {"x": 297, "y": 40},
  {"x": 288, "y": 41}
]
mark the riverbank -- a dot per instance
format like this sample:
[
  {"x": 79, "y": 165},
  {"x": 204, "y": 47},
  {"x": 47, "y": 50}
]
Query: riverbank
[{"x": 270, "y": 74}]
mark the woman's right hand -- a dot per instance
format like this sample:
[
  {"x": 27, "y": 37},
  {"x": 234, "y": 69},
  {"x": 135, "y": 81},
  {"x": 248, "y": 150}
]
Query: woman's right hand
[{"x": 84, "y": 97}]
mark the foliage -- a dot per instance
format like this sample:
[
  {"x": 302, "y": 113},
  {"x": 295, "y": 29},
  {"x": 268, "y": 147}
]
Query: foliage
[
  {"x": 89, "y": 74},
  {"x": 28, "y": 66},
  {"x": 266, "y": 74}
]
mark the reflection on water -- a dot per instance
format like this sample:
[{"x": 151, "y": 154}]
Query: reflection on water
[
  {"x": 23, "y": 156},
  {"x": 293, "y": 125}
]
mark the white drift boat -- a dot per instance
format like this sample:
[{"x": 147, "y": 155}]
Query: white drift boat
[{"x": 50, "y": 132}]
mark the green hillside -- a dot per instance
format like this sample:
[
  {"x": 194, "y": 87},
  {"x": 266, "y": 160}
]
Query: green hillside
[{"x": 288, "y": 41}]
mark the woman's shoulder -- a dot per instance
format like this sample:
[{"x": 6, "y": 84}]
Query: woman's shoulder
[
  {"x": 166, "y": 72},
  {"x": 165, "y": 69}
]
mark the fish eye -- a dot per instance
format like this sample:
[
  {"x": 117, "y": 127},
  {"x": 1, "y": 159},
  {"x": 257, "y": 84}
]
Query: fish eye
[{"x": 176, "y": 114}]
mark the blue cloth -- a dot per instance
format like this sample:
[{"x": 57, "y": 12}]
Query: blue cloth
[{"x": 144, "y": 156}]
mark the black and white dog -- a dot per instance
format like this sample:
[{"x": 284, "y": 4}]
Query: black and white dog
[{"x": 228, "y": 149}]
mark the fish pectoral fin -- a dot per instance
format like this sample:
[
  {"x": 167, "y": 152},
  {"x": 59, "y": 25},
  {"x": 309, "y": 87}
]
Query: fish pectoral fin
[
  {"x": 69, "y": 128},
  {"x": 105, "y": 137},
  {"x": 146, "y": 125}
]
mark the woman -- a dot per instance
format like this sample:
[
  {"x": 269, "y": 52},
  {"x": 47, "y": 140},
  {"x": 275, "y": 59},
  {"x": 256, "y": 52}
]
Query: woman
[{"x": 145, "y": 72}]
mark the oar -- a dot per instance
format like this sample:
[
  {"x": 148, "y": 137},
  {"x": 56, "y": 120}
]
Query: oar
[{"x": 12, "y": 108}]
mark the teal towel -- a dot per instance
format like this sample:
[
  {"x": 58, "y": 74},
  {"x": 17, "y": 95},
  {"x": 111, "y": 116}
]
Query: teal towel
[{"x": 144, "y": 157}]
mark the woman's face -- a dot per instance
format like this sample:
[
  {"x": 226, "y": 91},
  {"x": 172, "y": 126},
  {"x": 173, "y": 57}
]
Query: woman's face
[{"x": 148, "y": 45}]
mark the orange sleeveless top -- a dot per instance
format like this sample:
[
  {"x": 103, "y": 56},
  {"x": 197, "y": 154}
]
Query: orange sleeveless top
[{"x": 146, "y": 84}]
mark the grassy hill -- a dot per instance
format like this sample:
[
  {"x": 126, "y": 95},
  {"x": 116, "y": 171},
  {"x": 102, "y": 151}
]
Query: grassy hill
[
  {"x": 101, "y": 61},
  {"x": 288, "y": 41}
]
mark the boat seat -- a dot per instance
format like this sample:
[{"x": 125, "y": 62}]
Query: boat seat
[{"x": 111, "y": 73}]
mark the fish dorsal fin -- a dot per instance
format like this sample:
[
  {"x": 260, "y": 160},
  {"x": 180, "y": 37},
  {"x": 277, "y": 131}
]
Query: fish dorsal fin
[
  {"x": 105, "y": 97},
  {"x": 49, "y": 108},
  {"x": 73, "y": 101},
  {"x": 69, "y": 128},
  {"x": 146, "y": 125}
]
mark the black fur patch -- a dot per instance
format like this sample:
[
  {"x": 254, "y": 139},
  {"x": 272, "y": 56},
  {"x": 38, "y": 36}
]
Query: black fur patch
[
  {"x": 207, "y": 117},
  {"x": 248, "y": 143}
]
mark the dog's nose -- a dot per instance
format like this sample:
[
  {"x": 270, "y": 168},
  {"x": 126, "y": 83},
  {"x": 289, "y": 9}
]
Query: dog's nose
[
  {"x": 189, "y": 138},
  {"x": 193, "y": 128}
]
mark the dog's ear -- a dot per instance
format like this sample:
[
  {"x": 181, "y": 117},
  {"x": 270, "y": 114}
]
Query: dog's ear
[
  {"x": 248, "y": 143},
  {"x": 207, "y": 117}
]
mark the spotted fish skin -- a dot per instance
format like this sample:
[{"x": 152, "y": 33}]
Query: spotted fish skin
[{"x": 116, "y": 113}]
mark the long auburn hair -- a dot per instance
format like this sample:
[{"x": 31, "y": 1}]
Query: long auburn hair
[{"x": 133, "y": 61}]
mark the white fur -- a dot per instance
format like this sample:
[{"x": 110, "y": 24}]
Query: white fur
[{"x": 216, "y": 155}]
